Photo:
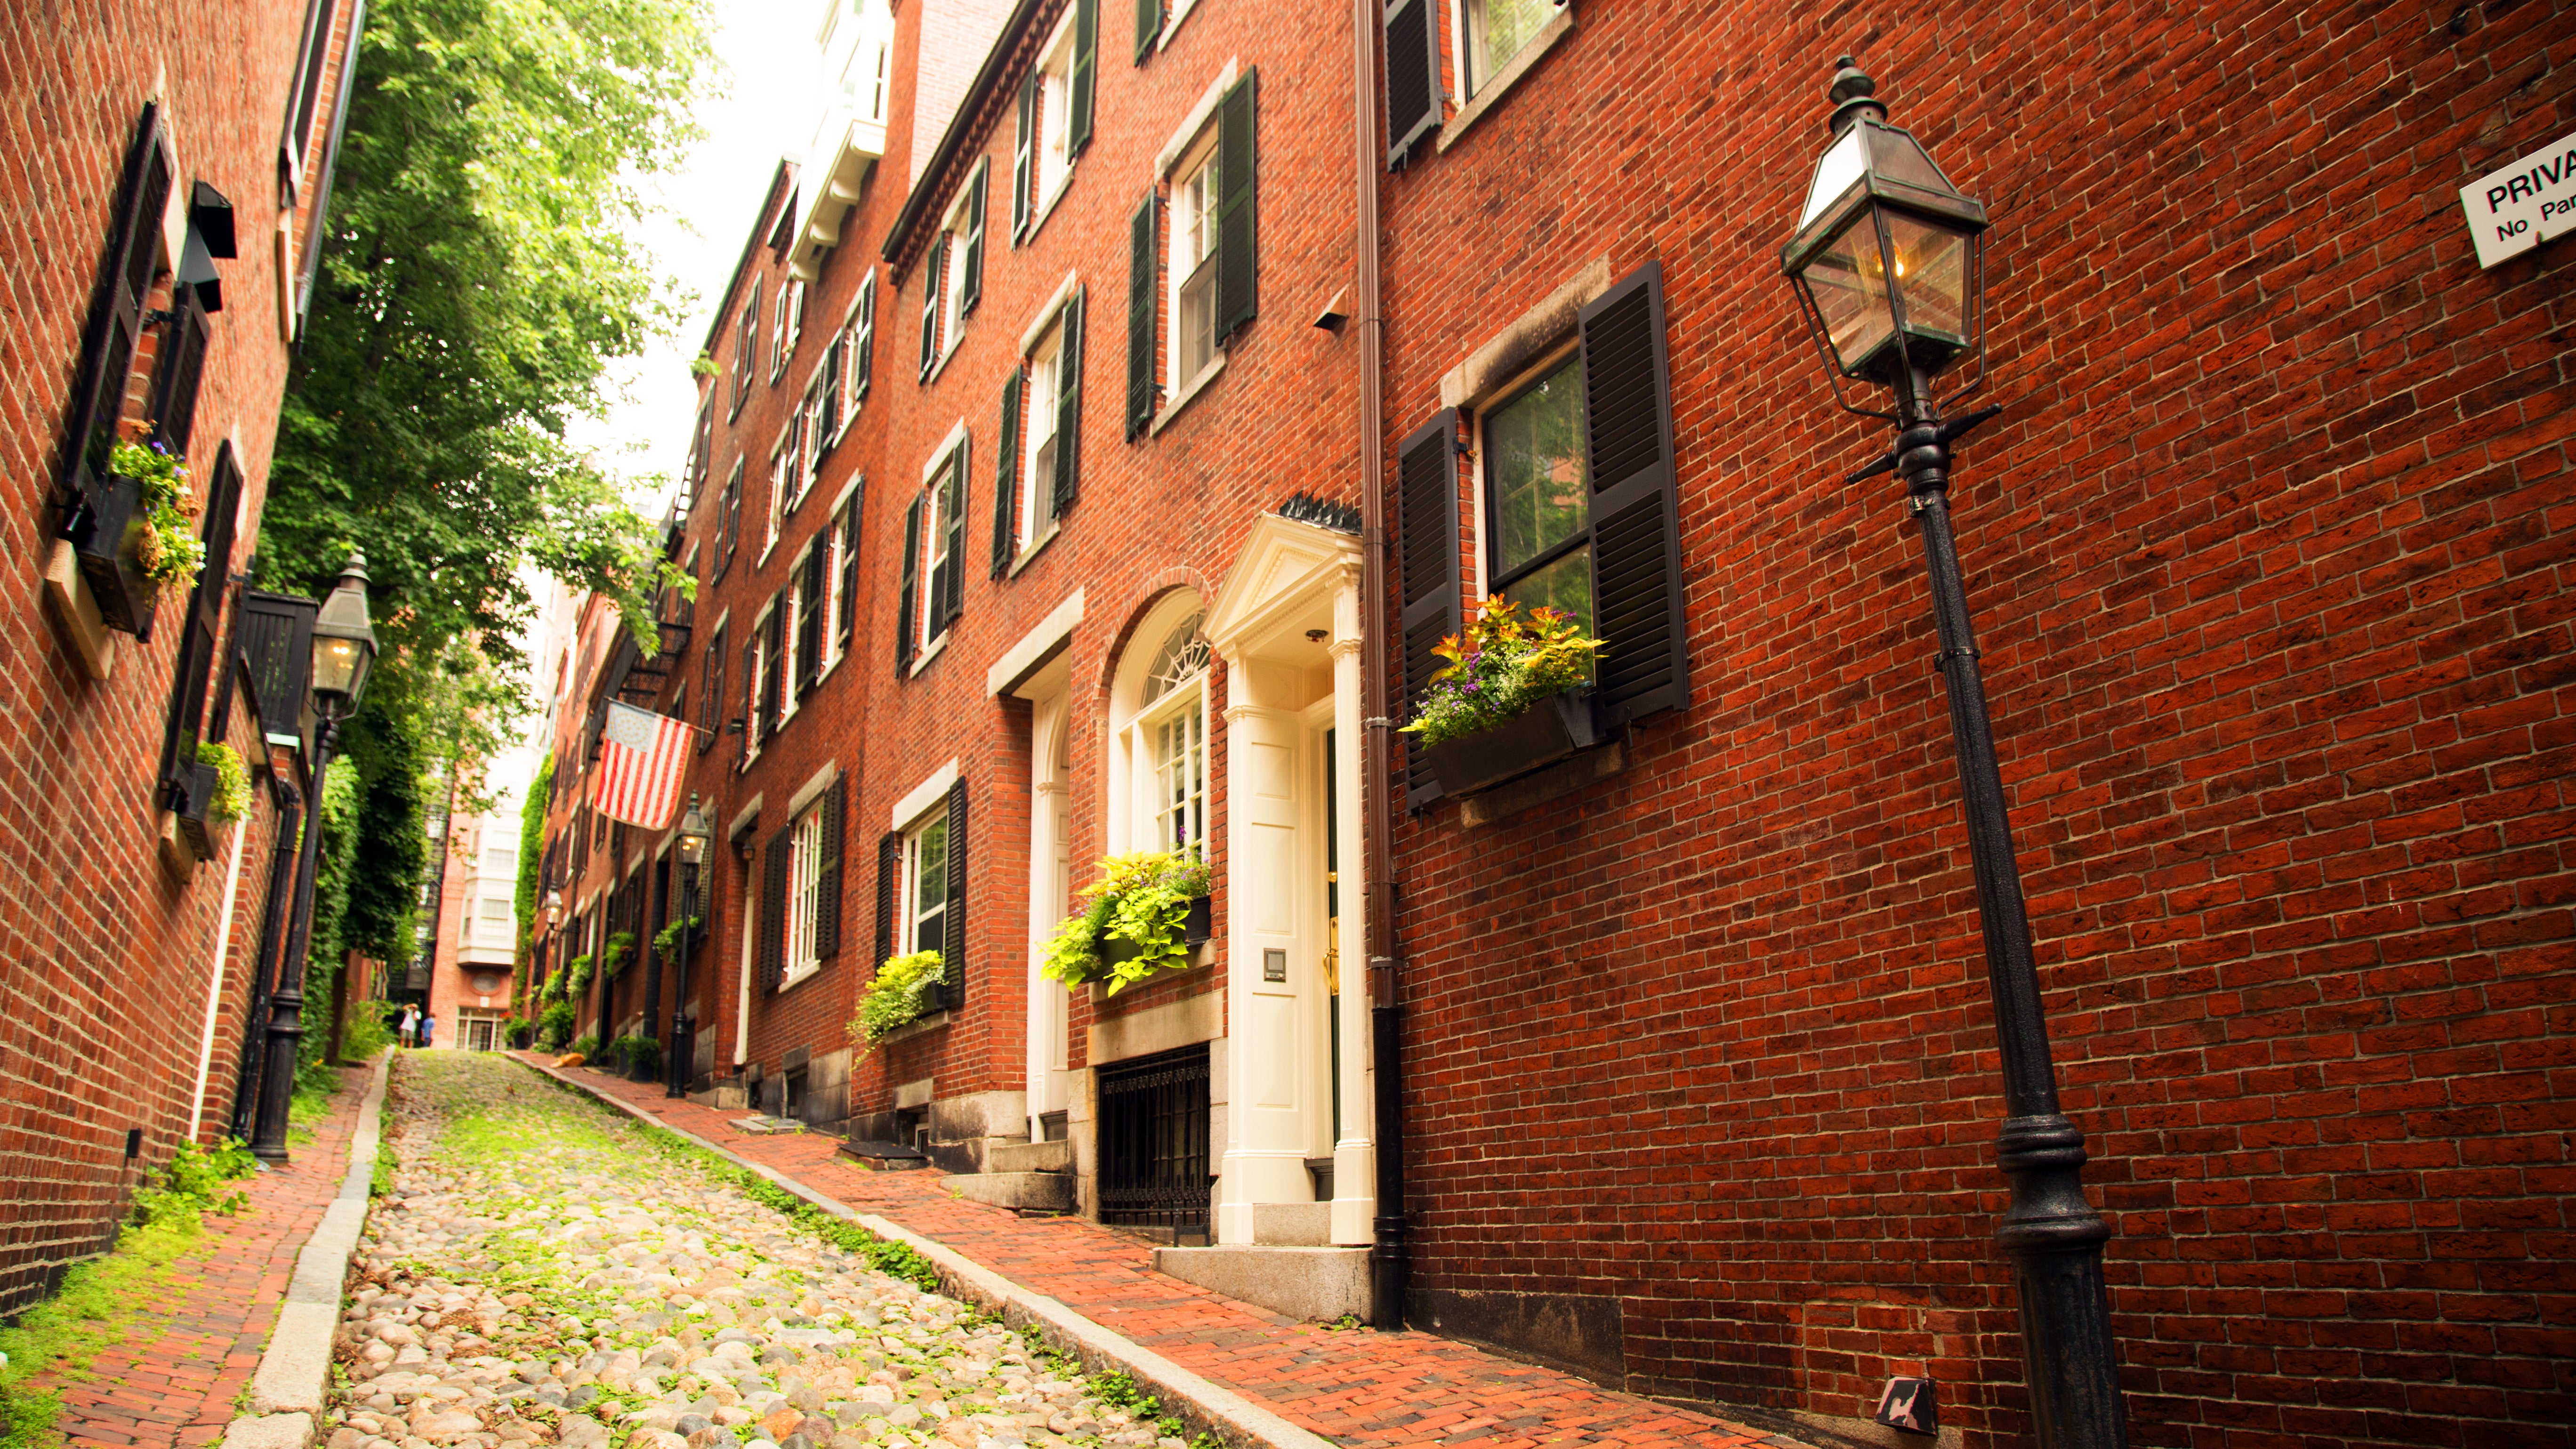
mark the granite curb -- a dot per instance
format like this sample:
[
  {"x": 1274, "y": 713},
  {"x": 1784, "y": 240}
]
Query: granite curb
[
  {"x": 294, "y": 1372},
  {"x": 1198, "y": 1402}
]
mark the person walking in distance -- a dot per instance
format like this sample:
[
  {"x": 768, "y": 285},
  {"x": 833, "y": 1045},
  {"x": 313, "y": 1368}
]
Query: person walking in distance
[
  {"x": 428, "y": 1029},
  {"x": 408, "y": 1033}
]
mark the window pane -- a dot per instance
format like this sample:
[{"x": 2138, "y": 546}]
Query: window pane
[
  {"x": 1496, "y": 31},
  {"x": 1534, "y": 465},
  {"x": 930, "y": 868},
  {"x": 1565, "y": 584}
]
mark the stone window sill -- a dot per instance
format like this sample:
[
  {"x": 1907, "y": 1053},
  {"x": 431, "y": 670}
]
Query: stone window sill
[
  {"x": 1036, "y": 545},
  {"x": 923, "y": 1027},
  {"x": 1491, "y": 95},
  {"x": 937, "y": 646},
  {"x": 1187, "y": 394}
]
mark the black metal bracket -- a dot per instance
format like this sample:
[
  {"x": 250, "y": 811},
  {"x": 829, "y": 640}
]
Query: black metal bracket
[{"x": 1945, "y": 434}]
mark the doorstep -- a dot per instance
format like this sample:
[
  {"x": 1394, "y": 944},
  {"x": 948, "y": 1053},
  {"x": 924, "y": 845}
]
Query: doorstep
[{"x": 1315, "y": 1285}]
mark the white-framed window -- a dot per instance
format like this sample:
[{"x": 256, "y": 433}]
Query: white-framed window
[
  {"x": 760, "y": 666},
  {"x": 940, "y": 527},
  {"x": 787, "y": 327},
  {"x": 1039, "y": 423},
  {"x": 1158, "y": 709},
  {"x": 1491, "y": 32},
  {"x": 729, "y": 522},
  {"x": 1051, "y": 124},
  {"x": 924, "y": 905},
  {"x": 1190, "y": 270},
  {"x": 746, "y": 327},
  {"x": 808, "y": 444},
  {"x": 845, "y": 368},
  {"x": 954, "y": 269},
  {"x": 500, "y": 859},
  {"x": 804, "y": 894},
  {"x": 781, "y": 465},
  {"x": 845, "y": 574},
  {"x": 953, "y": 291}
]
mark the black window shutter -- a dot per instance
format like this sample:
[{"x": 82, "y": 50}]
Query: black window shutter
[
  {"x": 970, "y": 277},
  {"x": 201, "y": 628},
  {"x": 1140, "y": 318},
  {"x": 174, "y": 397},
  {"x": 1413, "y": 91},
  {"x": 711, "y": 688},
  {"x": 1149, "y": 27},
  {"x": 1238, "y": 172},
  {"x": 827, "y": 427},
  {"x": 1427, "y": 501},
  {"x": 952, "y": 948},
  {"x": 750, "y": 690},
  {"x": 809, "y": 615},
  {"x": 773, "y": 908},
  {"x": 1023, "y": 153},
  {"x": 955, "y": 603},
  {"x": 115, "y": 325},
  {"x": 889, "y": 882},
  {"x": 732, "y": 520},
  {"x": 1086, "y": 74},
  {"x": 1636, "y": 533},
  {"x": 909, "y": 601},
  {"x": 850, "y": 564},
  {"x": 867, "y": 343},
  {"x": 930, "y": 264},
  {"x": 1068, "y": 410},
  {"x": 1006, "y": 470},
  {"x": 827, "y": 872}
]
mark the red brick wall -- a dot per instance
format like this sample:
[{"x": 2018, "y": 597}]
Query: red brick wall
[
  {"x": 2268, "y": 556},
  {"x": 99, "y": 937}
]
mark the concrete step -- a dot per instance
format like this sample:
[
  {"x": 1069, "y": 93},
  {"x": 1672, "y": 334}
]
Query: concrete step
[
  {"x": 1044, "y": 1191},
  {"x": 1030, "y": 1157},
  {"x": 1316, "y": 1285}
]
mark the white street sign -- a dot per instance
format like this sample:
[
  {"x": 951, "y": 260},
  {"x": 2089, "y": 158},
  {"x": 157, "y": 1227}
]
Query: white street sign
[{"x": 2527, "y": 203}]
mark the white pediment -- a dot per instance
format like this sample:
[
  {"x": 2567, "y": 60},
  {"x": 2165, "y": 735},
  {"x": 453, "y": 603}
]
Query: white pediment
[{"x": 1282, "y": 566}]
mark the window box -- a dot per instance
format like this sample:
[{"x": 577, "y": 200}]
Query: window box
[
  {"x": 193, "y": 811},
  {"x": 1197, "y": 929},
  {"x": 106, "y": 534},
  {"x": 1551, "y": 730}
]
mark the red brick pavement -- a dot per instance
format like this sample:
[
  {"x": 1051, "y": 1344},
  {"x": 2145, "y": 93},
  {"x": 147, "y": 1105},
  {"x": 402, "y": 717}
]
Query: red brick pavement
[
  {"x": 171, "y": 1378},
  {"x": 1396, "y": 1390}
]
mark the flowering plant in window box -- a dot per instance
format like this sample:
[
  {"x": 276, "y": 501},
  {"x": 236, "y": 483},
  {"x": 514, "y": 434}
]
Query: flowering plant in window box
[
  {"x": 134, "y": 538},
  {"x": 905, "y": 990},
  {"x": 666, "y": 941},
  {"x": 613, "y": 959},
  {"x": 576, "y": 977},
  {"x": 213, "y": 789},
  {"x": 1514, "y": 695},
  {"x": 1142, "y": 916}
]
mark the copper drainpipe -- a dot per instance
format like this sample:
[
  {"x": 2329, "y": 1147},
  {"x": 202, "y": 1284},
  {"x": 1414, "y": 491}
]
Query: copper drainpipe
[{"x": 1387, "y": 1258}]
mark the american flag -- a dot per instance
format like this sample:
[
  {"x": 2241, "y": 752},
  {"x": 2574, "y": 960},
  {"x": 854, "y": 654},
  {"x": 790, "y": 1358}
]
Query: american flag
[{"x": 641, "y": 758}]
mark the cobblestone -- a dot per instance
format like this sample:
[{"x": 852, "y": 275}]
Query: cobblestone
[{"x": 546, "y": 1273}]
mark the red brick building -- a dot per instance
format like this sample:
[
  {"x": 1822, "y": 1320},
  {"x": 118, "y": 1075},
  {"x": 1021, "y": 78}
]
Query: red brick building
[
  {"x": 1698, "y": 1073},
  {"x": 172, "y": 173}
]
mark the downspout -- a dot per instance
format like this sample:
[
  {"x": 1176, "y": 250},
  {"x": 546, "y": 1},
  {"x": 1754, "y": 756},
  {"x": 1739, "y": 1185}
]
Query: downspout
[{"x": 1386, "y": 1042}]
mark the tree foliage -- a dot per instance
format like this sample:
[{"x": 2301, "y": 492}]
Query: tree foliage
[{"x": 478, "y": 282}]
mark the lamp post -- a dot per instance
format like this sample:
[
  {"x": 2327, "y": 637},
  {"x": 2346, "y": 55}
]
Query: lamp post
[
  {"x": 344, "y": 646},
  {"x": 1888, "y": 263},
  {"x": 693, "y": 854}
]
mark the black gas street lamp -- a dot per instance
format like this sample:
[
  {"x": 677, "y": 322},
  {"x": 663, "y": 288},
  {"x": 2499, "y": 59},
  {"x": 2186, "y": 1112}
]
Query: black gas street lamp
[
  {"x": 344, "y": 647},
  {"x": 693, "y": 840},
  {"x": 1888, "y": 265}
]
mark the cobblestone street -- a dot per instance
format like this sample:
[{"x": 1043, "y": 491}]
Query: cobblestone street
[{"x": 541, "y": 1271}]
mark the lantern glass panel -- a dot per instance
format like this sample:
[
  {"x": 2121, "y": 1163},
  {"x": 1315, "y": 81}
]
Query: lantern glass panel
[
  {"x": 338, "y": 666},
  {"x": 1932, "y": 268},
  {"x": 1850, "y": 290}
]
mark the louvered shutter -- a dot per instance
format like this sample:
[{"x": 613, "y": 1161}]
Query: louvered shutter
[
  {"x": 930, "y": 266},
  {"x": 200, "y": 628},
  {"x": 1413, "y": 91},
  {"x": 1636, "y": 532},
  {"x": 1068, "y": 411},
  {"x": 970, "y": 275},
  {"x": 1238, "y": 172},
  {"x": 1149, "y": 27},
  {"x": 827, "y": 872},
  {"x": 952, "y": 947},
  {"x": 809, "y": 615},
  {"x": 850, "y": 564},
  {"x": 889, "y": 882},
  {"x": 115, "y": 326},
  {"x": 867, "y": 343},
  {"x": 1006, "y": 470},
  {"x": 1140, "y": 319},
  {"x": 1427, "y": 500},
  {"x": 174, "y": 396},
  {"x": 773, "y": 908},
  {"x": 904, "y": 616},
  {"x": 1023, "y": 159},
  {"x": 773, "y": 651},
  {"x": 750, "y": 691},
  {"x": 1086, "y": 75},
  {"x": 955, "y": 602}
]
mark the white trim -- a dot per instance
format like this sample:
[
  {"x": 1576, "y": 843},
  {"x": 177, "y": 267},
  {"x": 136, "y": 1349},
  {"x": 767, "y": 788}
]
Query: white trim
[
  {"x": 806, "y": 792},
  {"x": 922, "y": 797},
  {"x": 1030, "y": 550},
  {"x": 1172, "y": 406},
  {"x": 929, "y": 651},
  {"x": 1056, "y": 627},
  {"x": 1196, "y": 121},
  {"x": 939, "y": 455},
  {"x": 798, "y": 977},
  {"x": 722, "y": 620},
  {"x": 744, "y": 819},
  {"x": 841, "y": 499},
  {"x": 1046, "y": 316},
  {"x": 1172, "y": 19}
]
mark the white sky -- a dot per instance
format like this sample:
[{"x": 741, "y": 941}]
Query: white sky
[{"x": 764, "y": 109}]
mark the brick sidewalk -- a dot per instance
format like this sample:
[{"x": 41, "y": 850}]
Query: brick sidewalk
[
  {"x": 173, "y": 1375},
  {"x": 1396, "y": 1390}
]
